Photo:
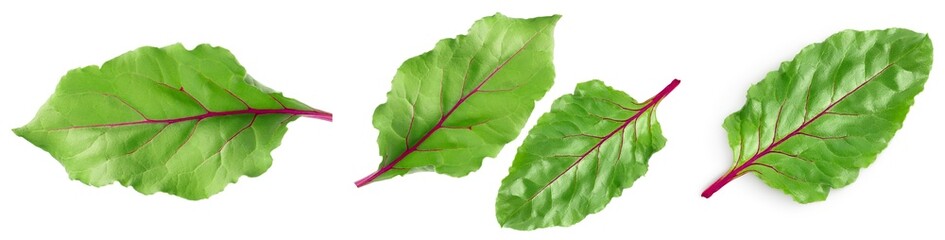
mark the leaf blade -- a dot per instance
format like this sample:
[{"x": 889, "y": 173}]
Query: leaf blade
[
  {"x": 856, "y": 97},
  {"x": 161, "y": 119},
  {"x": 603, "y": 130},
  {"x": 437, "y": 116}
]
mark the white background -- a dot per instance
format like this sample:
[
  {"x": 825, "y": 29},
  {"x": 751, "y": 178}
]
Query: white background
[{"x": 341, "y": 57}]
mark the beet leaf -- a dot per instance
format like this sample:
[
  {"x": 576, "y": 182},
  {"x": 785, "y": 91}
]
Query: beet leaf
[
  {"x": 813, "y": 124},
  {"x": 463, "y": 101},
  {"x": 184, "y": 122},
  {"x": 592, "y": 145}
]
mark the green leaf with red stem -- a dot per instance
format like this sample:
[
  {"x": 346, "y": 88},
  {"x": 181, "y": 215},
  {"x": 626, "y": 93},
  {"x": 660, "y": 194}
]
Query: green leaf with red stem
[
  {"x": 591, "y": 146},
  {"x": 463, "y": 101},
  {"x": 813, "y": 124},
  {"x": 184, "y": 122}
]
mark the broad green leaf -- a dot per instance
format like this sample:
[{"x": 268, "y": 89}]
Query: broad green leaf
[
  {"x": 584, "y": 152},
  {"x": 184, "y": 122},
  {"x": 461, "y": 102},
  {"x": 813, "y": 124}
]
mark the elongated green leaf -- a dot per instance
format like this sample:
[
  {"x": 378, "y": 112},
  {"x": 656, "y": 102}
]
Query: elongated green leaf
[
  {"x": 585, "y": 151},
  {"x": 812, "y": 125},
  {"x": 461, "y": 102},
  {"x": 184, "y": 122}
]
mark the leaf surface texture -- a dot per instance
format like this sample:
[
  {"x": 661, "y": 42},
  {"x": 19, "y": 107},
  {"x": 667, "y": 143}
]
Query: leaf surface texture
[
  {"x": 184, "y": 122},
  {"x": 464, "y": 100},
  {"x": 813, "y": 124},
  {"x": 592, "y": 145}
]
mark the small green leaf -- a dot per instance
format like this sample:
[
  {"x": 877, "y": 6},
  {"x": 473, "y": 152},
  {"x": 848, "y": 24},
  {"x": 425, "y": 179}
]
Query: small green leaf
[
  {"x": 813, "y": 124},
  {"x": 584, "y": 152},
  {"x": 184, "y": 122},
  {"x": 461, "y": 102}
]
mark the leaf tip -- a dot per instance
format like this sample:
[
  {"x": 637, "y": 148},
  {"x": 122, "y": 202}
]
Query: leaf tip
[{"x": 20, "y": 131}]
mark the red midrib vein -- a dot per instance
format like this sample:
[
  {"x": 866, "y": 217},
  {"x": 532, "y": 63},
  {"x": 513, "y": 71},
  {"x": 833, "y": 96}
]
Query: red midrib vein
[
  {"x": 209, "y": 114},
  {"x": 734, "y": 173},
  {"x": 370, "y": 178},
  {"x": 653, "y": 101}
]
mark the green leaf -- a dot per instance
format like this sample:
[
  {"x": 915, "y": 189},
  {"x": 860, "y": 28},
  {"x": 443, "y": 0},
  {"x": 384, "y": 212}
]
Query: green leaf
[
  {"x": 461, "y": 102},
  {"x": 184, "y": 122},
  {"x": 813, "y": 124},
  {"x": 584, "y": 152}
]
